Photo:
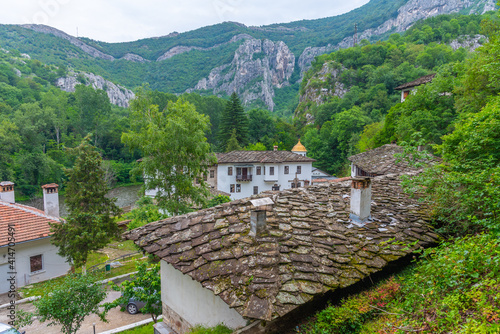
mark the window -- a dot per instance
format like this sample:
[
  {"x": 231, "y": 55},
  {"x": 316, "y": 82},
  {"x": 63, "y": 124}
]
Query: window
[
  {"x": 231, "y": 188},
  {"x": 36, "y": 263},
  {"x": 196, "y": 181},
  {"x": 229, "y": 170},
  {"x": 287, "y": 170},
  {"x": 255, "y": 190},
  {"x": 204, "y": 177},
  {"x": 263, "y": 170},
  {"x": 212, "y": 174},
  {"x": 238, "y": 187},
  {"x": 258, "y": 171},
  {"x": 271, "y": 170},
  {"x": 276, "y": 187},
  {"x": 238, "y": 171},
  {"x": 299, "y": 169}
]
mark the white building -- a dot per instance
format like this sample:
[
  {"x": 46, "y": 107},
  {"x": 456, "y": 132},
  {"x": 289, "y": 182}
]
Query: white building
[
  {"x": 246, "y": 173},
  {"x": 26, "y": 253}
]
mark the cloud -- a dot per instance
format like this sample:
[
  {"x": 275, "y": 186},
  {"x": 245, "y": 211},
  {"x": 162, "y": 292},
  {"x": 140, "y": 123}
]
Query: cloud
[{"x": 127, "y": 20}]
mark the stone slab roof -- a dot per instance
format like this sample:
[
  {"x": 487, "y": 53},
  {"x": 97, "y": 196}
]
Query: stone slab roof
[
  {"x": 29, "y": 223},
  {"x": 310, "y": 245},
  {"x": 260, "y": 157},
  {"x": 381, "y": 160},
  {"x": 418, "y": 82}
]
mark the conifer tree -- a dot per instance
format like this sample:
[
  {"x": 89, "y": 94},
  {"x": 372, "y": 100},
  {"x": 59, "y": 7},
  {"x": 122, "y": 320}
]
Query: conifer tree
[
  {"x": 90, "y": 224},
  {"x": 233, "y": 118},
  {"x": 232, "y": 144}
]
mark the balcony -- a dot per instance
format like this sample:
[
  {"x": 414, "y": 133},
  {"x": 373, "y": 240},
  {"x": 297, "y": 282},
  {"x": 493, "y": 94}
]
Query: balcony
[{"x": 243, "y": 177}]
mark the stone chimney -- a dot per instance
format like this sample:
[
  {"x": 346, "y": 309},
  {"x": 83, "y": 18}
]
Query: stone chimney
[
  {"x": 275, "y": 147},
  {"x": 361, "y": 198},
  {"x": 7, "y": 192},
  {"x": 51, "y": 200}
]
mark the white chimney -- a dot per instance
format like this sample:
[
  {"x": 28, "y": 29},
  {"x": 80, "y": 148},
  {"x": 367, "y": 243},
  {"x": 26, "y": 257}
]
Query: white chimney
[
  {"x": 361, "y": 198},
  {"x": 51, "y": 199},
  {"x": 7, "y": 192},
  {"x": 275, "y": 147}
]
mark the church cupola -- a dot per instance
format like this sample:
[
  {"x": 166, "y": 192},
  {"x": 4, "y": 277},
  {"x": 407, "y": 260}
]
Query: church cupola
[{"x": 299, "y": 149}]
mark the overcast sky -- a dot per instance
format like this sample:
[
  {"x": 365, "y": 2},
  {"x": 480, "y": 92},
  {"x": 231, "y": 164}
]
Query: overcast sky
[{"x": 127, "y": 20}]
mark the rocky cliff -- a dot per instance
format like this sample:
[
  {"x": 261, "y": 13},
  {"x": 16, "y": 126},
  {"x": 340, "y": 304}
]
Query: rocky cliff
[
  {"x": 257, "y": 68},
  {"x": 266, "y": 57},
  {"x": 117, "y": 94},
  {"x": 415, "y": 10}
]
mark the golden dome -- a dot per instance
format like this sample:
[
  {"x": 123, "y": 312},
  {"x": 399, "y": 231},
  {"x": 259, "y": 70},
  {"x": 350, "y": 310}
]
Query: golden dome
[{"x": 299, "y": 148}]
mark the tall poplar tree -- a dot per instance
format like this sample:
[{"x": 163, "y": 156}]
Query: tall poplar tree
[
  {"x": 233, "y": 118},
  {"x": 90, "y": 224}
]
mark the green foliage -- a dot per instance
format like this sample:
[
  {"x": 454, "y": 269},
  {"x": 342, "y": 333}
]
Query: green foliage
[
  {"x": 232, "y": 144},
  {"x": 70, "y": 302},
  {"x": 146, "y": 212},
  {"x": 219, "y": 329},
  {"x": 464, "y": 190},
  {"x": 234, "y": 121},
  {"x": 457, "y": 286},
  {"x": 219, "y": 199},
  {"x": 354, "y": 311},
  {"x": 90, "y": 225},
  {"x": 453, "y": 288},
  {"x": 145, "y": 286},
  {"x": 175, "y": 151}
]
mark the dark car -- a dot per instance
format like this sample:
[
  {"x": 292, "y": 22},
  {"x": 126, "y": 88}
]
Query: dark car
[
  {"x": 7, "y": 329},
  {"x": 134, "y": 306}
]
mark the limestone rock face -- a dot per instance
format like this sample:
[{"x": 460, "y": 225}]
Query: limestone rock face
[
  {"x": 415, "y": 10},
  {"x": 257, "y": 68},
  {"x": 470, "y": 43},
  {"x": 117, "y": 94},
  {"x": 320, "y": 87},
  {"x": 135, "y": 58}
]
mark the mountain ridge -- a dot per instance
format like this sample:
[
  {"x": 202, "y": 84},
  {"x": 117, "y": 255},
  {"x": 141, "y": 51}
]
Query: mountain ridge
[{"x": 161, "y": 61}]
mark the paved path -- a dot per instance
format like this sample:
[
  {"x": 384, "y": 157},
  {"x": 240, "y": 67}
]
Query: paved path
[{"x": 115, "y": 317}]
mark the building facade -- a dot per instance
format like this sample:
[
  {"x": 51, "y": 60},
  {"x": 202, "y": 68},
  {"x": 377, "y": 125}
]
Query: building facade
[
  {"x": 246, "y": 173},
  {"x": 26, "y": 254}
]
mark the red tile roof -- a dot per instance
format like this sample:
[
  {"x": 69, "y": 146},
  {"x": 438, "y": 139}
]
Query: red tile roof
[{"x": 29, "y": 223}]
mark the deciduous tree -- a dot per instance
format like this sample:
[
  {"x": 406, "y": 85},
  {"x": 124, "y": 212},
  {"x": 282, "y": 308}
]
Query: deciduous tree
[{"x": 175, "y": 151}]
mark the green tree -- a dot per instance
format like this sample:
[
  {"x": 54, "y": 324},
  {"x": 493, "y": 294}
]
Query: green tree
[
  {"x": 146, "y": 212},
  {"x": 145, "y": 286},
  {"x": 93, "y": 108},
  {"x": 175, "y": 151},
  {"x": 90, "y": 224},
  {"x": 234, "y": 117},
  {"x": 232, "y": 144},
  {"x": 70, "y": 302}
]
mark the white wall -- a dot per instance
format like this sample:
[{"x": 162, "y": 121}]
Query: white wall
[
  {"x": 197, "y": 305},
  {"x": 263, "y": 182},
  {"x": 53, "y": 264}
]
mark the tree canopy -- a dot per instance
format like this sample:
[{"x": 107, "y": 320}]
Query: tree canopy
[
  {"x": 175, "y": 151},
  {"x": 89, "y": 225}
]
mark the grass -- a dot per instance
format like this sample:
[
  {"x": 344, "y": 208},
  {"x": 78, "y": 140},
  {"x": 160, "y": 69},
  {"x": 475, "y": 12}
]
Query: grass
[
  {"x": 146, "y": 329},
  {"x": 219, "y": 329}
]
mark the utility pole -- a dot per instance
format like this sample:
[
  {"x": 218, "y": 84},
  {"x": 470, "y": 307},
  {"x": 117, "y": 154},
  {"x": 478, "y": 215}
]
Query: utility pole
[{"x": 355, "y": 34}]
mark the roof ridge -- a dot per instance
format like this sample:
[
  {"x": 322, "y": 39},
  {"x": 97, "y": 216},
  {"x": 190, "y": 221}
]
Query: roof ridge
[{"x": 29, "y": 209}]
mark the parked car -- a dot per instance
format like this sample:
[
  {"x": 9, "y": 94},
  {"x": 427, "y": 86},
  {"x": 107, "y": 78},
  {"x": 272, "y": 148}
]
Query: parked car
[
  {"x": 7, "y": 329},
  {"x": 134, "y": 305}
]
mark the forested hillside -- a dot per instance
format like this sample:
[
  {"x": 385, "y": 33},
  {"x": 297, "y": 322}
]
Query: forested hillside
[
  {"x": 454, "y": 287},
  {"x": 177, "y": 62},
  {"x": 348, "y": 97}
]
